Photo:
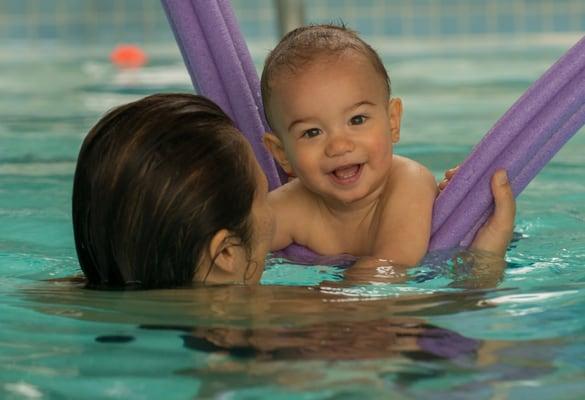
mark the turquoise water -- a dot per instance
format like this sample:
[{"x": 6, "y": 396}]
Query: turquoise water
[{"x": 304, "y": 333}]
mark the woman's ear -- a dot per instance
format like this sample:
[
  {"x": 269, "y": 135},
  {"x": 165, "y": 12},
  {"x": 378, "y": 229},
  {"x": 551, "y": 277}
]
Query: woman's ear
[
  {"x": 227, "y": 258},
  {"x": 275, "y": 147},
  {"x": 395, "y": 115}
]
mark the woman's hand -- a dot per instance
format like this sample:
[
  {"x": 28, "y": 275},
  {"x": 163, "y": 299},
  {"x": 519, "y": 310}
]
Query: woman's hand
[{"x": 496, "y": 233}]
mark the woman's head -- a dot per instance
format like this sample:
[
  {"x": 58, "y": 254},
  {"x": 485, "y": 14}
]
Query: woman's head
[{"x": 166, "y": 192}]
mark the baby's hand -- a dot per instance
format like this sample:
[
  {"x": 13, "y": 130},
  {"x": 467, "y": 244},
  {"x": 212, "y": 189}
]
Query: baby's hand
[{"x": 448, "y": 176}]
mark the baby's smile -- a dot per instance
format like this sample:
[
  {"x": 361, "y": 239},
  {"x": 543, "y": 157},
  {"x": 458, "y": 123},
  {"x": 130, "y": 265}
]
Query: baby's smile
[{"x": 346, "y": 174}]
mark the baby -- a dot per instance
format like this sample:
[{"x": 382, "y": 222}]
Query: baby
[{"x": 327, "y": 98}]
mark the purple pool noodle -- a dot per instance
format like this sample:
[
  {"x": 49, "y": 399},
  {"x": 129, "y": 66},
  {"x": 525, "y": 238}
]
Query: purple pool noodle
[
  {"x": 516, "y": 139},
  {"x": 217, "y": 68},
  {"x": 531, "y": 169},
  {"x": 507, "y": 128},
  {"x": 446, "y": 344},
  {"x": 535, "y": 135},
  {"x": 196, "y": 53},
  {"x": 244, "y": 57},
  {"x": 241, "y": 95},
  {"x": 549, "y": 150},
  {"x": 254, "y": 84}
]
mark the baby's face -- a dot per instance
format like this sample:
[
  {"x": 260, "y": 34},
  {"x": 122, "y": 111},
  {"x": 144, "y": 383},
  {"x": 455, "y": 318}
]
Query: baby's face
[{"x": 334, "y": 119}]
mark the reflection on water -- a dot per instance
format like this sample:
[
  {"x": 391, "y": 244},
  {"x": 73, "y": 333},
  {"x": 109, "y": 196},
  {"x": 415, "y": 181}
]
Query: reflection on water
[
  {"x": 338, "y": 340},
  {"x": 299, "y": 338}
]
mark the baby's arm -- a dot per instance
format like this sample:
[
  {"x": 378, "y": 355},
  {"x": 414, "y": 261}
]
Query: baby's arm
[{"x": 404, "y": 226}]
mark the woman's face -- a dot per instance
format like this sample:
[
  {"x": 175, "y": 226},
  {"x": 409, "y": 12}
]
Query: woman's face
[
  {"x": 262, "y": 225},
  {"x": 235, "y": 262}
]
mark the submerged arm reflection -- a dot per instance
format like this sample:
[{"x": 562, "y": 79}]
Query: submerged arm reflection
[{"x": 338, "y": 340}]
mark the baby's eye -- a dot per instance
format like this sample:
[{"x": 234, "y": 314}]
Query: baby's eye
[
  {"x": 311, "y": 133},
  {"x": 358, "y": 120}
]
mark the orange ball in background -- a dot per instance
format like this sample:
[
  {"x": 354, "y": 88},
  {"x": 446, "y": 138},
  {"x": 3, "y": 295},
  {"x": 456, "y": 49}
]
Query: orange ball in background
[{"x": 128, "y": 56}]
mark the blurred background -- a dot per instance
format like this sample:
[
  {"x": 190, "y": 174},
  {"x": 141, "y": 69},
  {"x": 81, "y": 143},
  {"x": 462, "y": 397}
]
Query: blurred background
[
  {"x": 457, "y": 63},
  {"x": 40, "y": 25}
]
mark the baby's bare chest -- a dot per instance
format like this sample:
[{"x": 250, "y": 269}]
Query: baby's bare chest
[{"x": 332, "y": 238}]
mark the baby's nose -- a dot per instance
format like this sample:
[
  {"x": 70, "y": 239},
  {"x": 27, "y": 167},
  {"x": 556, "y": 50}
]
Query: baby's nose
[{"x": 338, "y": 145}]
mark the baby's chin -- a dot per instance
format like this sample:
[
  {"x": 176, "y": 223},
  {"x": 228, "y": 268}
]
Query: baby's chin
[{"x": 364, "y": 192}]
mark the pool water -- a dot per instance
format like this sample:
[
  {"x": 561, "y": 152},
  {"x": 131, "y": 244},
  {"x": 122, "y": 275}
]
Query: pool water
[{"x": 305, "y": 333}]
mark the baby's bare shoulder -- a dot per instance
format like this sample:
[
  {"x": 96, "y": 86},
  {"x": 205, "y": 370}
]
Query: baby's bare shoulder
[
  {"x": 407, "y": 172},
  {"x": 289, "y": 193},
  {"x": 294, "y": 211},
  {"x": 293, "y": 199}
]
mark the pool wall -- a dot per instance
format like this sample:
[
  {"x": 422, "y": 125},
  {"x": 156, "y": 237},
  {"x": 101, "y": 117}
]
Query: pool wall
[{"x": 40, "y": 22}]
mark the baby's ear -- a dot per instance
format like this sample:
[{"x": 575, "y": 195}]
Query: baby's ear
[
  {"x": 275, "y": 147},
  {"x": 395, "y": 115}
]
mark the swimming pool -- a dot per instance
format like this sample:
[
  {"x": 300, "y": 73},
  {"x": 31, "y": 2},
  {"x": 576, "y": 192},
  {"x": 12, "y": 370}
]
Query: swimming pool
[{"x": 425, "y": 338}]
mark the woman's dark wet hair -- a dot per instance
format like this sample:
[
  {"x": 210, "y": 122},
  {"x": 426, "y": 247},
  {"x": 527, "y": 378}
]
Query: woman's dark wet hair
[{"x": 155, "y": 180}]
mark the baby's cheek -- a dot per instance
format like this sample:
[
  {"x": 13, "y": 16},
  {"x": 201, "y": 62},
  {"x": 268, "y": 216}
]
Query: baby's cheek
[{"x": 382, "y": 147}]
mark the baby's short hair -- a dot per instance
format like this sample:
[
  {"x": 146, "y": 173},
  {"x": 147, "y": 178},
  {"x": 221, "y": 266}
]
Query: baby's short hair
[{"x": 303, "y": 45}]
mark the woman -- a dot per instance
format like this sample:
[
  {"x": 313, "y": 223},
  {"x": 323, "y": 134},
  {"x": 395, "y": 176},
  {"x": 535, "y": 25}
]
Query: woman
[{"x": 167, "y": 192}]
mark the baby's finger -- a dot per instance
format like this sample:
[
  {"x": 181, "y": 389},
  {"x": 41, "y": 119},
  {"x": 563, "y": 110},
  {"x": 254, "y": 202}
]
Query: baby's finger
[
  {"x": 443, "y": 184},
  {"x": 450, "y": 172}
]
